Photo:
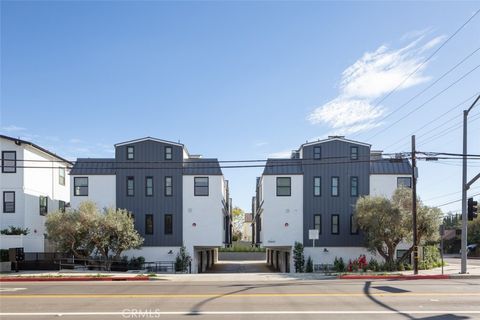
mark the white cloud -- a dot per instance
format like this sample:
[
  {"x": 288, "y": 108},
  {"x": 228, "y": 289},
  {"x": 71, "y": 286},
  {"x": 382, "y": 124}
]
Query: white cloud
[
  {"x": 13, "y": 128},
  {"x": 260, "y": 144},
  {"x": 281, "y": 154},
  {"x": 75, "y": 141},
  {"x": 370, "y": 77}
]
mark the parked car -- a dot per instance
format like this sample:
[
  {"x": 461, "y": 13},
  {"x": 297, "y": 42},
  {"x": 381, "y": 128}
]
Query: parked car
[{"x": 470, "y": 248}]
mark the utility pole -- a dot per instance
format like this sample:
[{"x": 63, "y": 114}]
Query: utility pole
[
  {"x": 414, "y": 206},
  {"x": 465, "y": 187}
]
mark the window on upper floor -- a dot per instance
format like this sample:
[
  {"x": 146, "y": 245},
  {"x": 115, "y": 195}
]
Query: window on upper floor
[
  {"x": 43, "y": 205},
  {"x": 284, "y": 186},
  {"x": 9, "y": 161},
  {"x": 130, "y": 186},
  {"x": 130, "y": 153},
  {"x": 354, "y": 153},
  {"x": 61, "y": 206},
  {"x": 335, "y": 224},
  {"x": 201, "y": 186},
  {"x": 335, "y": 186},
  {"x": 404, "y": 182},
  {"x": 168, "y": 153},
  {"x": 168, "y": 224},
  {"x": 317, "y": 186},
  {"x": 317, "y": 153},
  {"x": 149, "y": 224},
  {"x": 317, "y": 223},
  {"x": 169, "y": 186},
  {"x": 9, "y": 201},
  {"x": 354, "y": 186},
  {"x": 61, "y": 176},
  {"x": 80, "y": 186},
  {"x": 149, "y": 186},
  {"x": 353, "y": 225}
]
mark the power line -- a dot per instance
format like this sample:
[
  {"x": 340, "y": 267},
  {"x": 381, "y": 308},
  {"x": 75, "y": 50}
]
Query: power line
[
  {"x": 432, "y": 84},
  {"x": 427, "y": 59},
  {"x": 447, "y": 203},
  {"x": 435, "y": 119},
  {"x": 426, "y": 102}
]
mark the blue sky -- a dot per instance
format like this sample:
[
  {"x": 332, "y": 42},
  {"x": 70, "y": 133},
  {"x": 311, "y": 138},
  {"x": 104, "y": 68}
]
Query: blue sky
[{"x": 239, "y": 80}]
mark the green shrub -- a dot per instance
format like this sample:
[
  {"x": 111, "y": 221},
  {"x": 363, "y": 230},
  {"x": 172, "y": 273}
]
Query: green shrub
[
  {"x": 136, "y": 263},
  {"x": 373, "y": 265},
  {"x": 339, "y": 265},
  {"x": 14, "y": 231},
  {"x": 309, "y": 267}
]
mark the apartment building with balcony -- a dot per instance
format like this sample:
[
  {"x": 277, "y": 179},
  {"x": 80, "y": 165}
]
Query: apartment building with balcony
[
  {"x": 33, "y": 182},
  {"x": 317, "y": 189},
  {"x": 175, "y": 198}
]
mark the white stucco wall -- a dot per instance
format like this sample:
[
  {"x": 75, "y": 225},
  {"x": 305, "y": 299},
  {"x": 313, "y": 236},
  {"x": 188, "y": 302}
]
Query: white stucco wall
[
  {"x": 206, "y": 212},
  {"x": 101, "y": 190},
  {"x": 154, "y": 254},
  {"x": 279, "y": 211},
  {"x": 384, "y": 185},
  {"x": 29, "y": 184}
]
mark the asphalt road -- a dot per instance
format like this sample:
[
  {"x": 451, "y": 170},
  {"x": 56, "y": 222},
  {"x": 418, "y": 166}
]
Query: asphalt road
[{"x": 325, "y": 299}]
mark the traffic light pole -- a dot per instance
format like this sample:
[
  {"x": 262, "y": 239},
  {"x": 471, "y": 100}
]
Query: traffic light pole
[{"x": 465, "y": 187}]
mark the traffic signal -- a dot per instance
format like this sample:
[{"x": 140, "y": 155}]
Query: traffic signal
[{"x": 472, "y": 209}]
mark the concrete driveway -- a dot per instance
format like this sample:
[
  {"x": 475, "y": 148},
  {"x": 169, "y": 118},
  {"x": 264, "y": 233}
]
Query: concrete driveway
[{"x": 231, "y": 266}]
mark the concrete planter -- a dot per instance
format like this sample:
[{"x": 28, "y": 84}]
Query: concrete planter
[{"x": 5, "y": 266}]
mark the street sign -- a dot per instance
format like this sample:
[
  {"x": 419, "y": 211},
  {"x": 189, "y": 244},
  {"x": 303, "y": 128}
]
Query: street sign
[{"x": 313, "y": 234}]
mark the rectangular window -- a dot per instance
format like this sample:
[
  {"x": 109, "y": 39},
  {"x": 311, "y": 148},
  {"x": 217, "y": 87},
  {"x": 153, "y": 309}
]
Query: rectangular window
[
  {"x": 354, "y": 186},
  {"x": 335, "y": 224},
  {"x": 284, "y": 186},
  {"x": 169, "y": 187},
  {"x": 130, "y": 186},
  {"x": 353, "y": 225},
  {"x": 43, "y": 205},
  {"x": 168, "y": 153},
  {"x": 61, "y": 176},
  {"x": 149, "y": 224},
  {"x": 130, "y": 153},
  {"x": 405, "y": 182},
  {"x": 9, "y": 201},
  {"x": 201, "y": 186},
  {"x": 335, "y": 186},
  {"x": 149, "y": 186},
  {"x": 317, "y": 186},
  {"x": 317, "y": 223},
  {"x": 80, "y": 186},
  {"x": 61, "y": 206},
  {"x": 354, "y": 153},
  {"x": 317, "y": 153},
  {"x": 9, "y": 161},
  {"x": 168, "y": 224}
]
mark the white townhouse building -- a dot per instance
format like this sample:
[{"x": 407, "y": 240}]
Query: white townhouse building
[
  {"x": 175, "y": 198},
  {"x": 33, "y": 182},
  {"x": 317, "y": 189}
]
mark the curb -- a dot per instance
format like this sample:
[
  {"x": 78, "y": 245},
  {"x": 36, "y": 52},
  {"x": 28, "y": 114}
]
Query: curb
[
  {"x": 34, "y": 279},
  {"x": 393, "y": 277}
]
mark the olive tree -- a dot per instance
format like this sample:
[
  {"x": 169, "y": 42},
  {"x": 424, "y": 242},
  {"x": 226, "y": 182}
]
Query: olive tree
[
  {"x": 88, "y": 230},
  {"x": 387, "y": 222}
]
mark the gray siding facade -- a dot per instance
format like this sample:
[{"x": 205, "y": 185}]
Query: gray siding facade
[
  {"x": 335, "y": 162},
  {"x": 149, "y": 161}
]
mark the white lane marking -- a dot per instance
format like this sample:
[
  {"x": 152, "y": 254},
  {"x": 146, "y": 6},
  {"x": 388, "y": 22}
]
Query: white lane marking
[
  {"x": 185, "y": 313},
  {"x": 11, "y": 289}
]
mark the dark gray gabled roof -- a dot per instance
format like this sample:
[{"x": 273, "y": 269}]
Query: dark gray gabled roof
[
  {"x": 200, "y": 166},
  {"x": 36, "y": 146},
  {"x": 93, "y": 166},
  {"x": 390, "y": 166},
  {"x": 283, "y": 166}
]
